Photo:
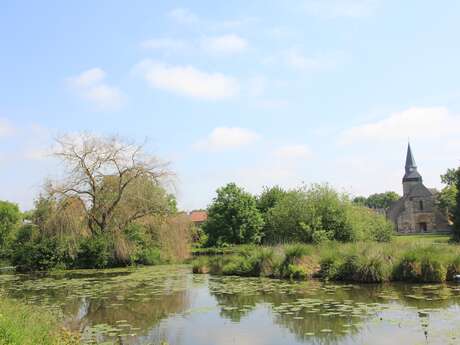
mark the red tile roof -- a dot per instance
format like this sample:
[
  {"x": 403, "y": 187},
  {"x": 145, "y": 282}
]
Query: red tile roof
[{"x": 198, "y": 216}]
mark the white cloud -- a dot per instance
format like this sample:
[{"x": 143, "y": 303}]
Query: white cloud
[
  {"x": 301, "y": 62},
  {"x": 298, "y": 61},
  {"x": 414, "y": 123},
  {"x": 341, "y": 8},
  {"x": 227, "y": 138},
  {"x": 164, "y": 43},
  {"x": 225, "y": 44},
  {"x": 293, "y": 152},
  {"x": 91, "y": 86},
  {"x": 188, "y": 81},
  {"x": 6, "y": 128},
  {"x": 183, "y": 15}
]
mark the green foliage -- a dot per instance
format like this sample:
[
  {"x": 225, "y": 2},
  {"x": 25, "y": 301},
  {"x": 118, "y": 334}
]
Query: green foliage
[
  {"x": 233, "y": 218},
  {"x": 22, "y": 324},
  {"x": 369, "y": 225},
  {"x": 269, "y": 198},
  {"x": 94, "y": 252},
  {"x": 378, "y": 200},
  {"x": 422, "y": 264},
  {"x": 320, "y": 214},
  {"x": 456, "y": 211},
  {"x": 150, "y": 256},
  {"x": 450, "y": 178},
  {"x": 9, "y": 220},
  {"x": 38, "y": 254},
  {"x": 362, "y": 262},
  {"x": 447, "y": 198}
]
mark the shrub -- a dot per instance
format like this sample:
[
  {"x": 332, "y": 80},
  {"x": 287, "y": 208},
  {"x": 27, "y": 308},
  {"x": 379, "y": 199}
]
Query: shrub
[
  {"x": 347, "y": 269},
  {"x": 94, "y": 252},
  {"x": 372, "y": 270},
  {"x": 34, "y": 253},
  {"x": 422, "y": 264},
  {"x": 149, "y": 256},
  {"x": 296, "y": 263},
  {"x": 432, "y": 271},
  {"x": 408, "y": 269},
  {"x": 329, "y": 267},
  {"x": 453, "y": 268}
]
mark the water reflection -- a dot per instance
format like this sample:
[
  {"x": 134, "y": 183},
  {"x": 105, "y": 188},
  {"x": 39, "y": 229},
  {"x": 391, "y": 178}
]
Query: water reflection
[{"x": 148, "y": 305}]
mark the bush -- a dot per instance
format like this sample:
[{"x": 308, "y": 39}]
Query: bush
[
  {"x": 34, "y": 253},
  {"x": 348, "y": 268},
  {"x": 329, "y": 267},
  {"x": 321, "y": 214},
  {"x": 94, "y": 252},
  {"x": 432, "y": 271},
  {"x": 424, "y": 265},
  {"x": 149, "y": 256},
  {"x": 372, "y": 270},
  {"x": 408, "y": 269}
]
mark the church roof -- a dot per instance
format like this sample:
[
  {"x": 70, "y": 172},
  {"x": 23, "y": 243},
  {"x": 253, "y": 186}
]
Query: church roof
[{"x": 411, "y": 168}]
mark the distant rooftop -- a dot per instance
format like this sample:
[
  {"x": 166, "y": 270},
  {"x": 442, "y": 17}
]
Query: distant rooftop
[{"x": 198, "y": 216}]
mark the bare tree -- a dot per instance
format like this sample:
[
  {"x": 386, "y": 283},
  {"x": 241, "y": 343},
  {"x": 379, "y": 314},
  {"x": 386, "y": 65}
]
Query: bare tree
[{"x": 113, "y": 179}]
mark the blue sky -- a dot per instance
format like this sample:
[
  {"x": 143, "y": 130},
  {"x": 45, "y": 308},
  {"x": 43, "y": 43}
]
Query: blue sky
[{"x": 258, "y": 93}]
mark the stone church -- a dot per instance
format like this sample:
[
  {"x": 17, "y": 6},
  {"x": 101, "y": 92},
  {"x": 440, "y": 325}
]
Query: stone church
[{"x": 416, "y": 211}]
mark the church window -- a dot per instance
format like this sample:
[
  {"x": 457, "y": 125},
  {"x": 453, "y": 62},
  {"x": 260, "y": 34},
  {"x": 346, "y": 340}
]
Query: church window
[{"x": 421, "y": 205}]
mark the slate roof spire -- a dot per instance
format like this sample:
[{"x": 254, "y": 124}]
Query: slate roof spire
[{"x": 411, "y": 168}]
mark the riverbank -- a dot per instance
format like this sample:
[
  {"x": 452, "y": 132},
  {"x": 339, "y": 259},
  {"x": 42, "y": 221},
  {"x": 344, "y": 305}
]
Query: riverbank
[
  {"x": 22, "y": 324},
  {"x": 362, "y": 262}
]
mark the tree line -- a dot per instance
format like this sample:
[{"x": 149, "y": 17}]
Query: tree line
[{"x": 311, "y": 214}]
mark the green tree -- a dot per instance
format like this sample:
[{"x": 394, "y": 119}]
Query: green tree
[
  {"x": 360, "y": 200},
  {"x": 381, "y": 200},
  {"x": 269, "y": 197},
  {"x": 456, "y": 211},
  {"x": 447, "y": 196},
  {"x": 233, "y": 218},
  {"x": 9, "y": 220}
]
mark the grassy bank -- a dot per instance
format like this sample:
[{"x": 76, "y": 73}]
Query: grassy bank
[
  {"x": 22, "y": 324},
  {"x": 363, "y": 262}
]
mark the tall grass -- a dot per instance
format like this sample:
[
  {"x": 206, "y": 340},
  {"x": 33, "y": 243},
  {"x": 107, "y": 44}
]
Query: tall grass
[
  {"x": 363, "y": 262},
  {"x": 22, "y": 324}
]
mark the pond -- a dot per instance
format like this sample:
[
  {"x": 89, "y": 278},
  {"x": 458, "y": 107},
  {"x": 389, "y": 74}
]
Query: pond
[{"x": 169, "y": 303}]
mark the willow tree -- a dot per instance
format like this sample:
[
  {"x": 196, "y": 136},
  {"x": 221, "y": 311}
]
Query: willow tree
[{"x": 115, "y": 181}]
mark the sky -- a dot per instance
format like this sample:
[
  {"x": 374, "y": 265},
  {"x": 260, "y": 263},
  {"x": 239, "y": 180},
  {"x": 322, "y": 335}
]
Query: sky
[{"x": 253, "y": 92}]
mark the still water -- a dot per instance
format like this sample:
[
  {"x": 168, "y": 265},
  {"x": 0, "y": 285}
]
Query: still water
[{"x": 170, "y": 304}]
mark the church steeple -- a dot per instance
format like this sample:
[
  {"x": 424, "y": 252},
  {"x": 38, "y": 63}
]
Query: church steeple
[
  {"x": 410, "y": 161},
  {"x": 411, "y": 176}
]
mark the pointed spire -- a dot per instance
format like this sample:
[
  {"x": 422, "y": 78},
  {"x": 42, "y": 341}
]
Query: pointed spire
[
  {"x": 410, "y": 161},
  {"x": 411, "y": 174}
]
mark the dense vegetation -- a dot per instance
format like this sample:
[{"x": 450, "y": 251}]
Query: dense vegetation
[
  {"x": 363, "y": 262},
  {"x": 110, "y": 209},
  {"x": 378, "y": 201},
  {"x": 307, "y": 215},
  {"x": 22, "y": 324},
  {"x": 456, "y": 208}
]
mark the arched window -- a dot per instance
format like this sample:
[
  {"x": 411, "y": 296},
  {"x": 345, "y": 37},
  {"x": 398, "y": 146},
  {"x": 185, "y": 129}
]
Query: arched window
[{"x": 420, "y": 203}]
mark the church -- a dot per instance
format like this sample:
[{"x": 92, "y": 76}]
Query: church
[{"x": 417, "y": 211}]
